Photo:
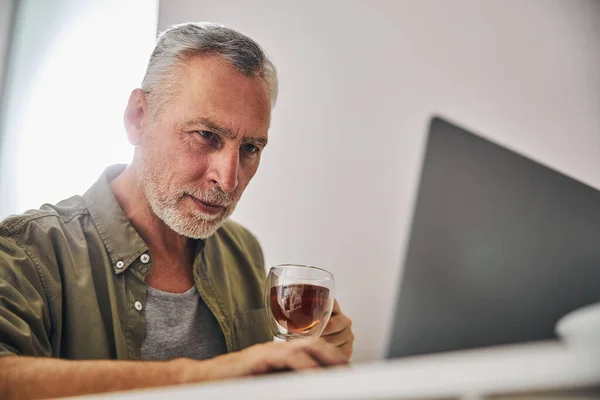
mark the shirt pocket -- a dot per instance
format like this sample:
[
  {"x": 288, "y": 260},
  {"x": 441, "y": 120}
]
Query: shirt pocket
[{"x": 251, "y": 327}]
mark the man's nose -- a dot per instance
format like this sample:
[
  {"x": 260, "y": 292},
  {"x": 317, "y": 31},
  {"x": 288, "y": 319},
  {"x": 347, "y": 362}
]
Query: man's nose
[{"x": 224, "y": 169}]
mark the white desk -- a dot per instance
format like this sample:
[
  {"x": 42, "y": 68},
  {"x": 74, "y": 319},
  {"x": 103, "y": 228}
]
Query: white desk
[{"x": 538, "y": 367}]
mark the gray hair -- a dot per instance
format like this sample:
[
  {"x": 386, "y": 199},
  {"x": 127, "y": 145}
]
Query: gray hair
[{"x": 177, "y": 44}]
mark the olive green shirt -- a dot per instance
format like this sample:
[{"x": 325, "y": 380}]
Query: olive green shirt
[{"x": 72, "y": 280}]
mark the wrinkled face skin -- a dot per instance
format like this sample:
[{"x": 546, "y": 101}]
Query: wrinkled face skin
[{"x": 198, "y": 155}]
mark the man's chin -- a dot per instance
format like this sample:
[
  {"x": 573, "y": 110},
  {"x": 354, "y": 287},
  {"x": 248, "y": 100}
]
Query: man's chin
[
  {"x": 197, "y": 233},
  {"x": 193, "y": 223},
  {"x": 200, "y": 228}
]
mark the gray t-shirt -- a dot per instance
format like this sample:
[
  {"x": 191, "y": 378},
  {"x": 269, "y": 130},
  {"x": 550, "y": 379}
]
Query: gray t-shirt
[{"x": 180, "y": 325}]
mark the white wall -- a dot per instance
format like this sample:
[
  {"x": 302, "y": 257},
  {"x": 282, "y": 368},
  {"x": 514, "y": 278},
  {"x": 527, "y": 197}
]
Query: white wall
[
  {"x": 72, "y": 67},
  {"x": 6, "y": 15},
  {"x": 359, "y": 80}
]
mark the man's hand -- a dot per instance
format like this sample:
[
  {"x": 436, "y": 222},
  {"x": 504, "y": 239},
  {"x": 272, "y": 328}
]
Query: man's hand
[
  {"x": 339, "y": 331},
  {"x": 44, "y": 377},
  {"x": 263, "y": 358}
]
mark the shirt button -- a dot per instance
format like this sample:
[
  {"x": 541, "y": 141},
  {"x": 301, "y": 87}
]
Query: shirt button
[
  {"x": 120, "y": 264},
  {"x": 145, "y": 258},
  {"x": 138, "y": 306}
]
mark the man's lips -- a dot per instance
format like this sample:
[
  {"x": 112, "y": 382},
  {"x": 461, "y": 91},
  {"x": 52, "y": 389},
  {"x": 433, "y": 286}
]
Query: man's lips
[{"x": 210, "y": 208}]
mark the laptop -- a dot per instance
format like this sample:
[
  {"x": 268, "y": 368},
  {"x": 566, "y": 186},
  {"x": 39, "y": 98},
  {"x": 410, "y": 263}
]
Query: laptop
[{"x": 500, "y": 248}]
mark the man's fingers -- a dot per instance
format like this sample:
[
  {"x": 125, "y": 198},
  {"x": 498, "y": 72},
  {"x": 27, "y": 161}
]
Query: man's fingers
[
  {"x": 347, "y": 348},
  {"x": 263, "y": 358},
  {"x": 336, "y": 308},
  {"x": 325, "y": 353},
  {"x": 337, "y": 324},
  {"x": 340, "y": 338},
  {"x": 301, "y": 360}
]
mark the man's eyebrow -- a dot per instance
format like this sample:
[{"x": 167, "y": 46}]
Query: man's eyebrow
[
  {"x": 226, "y": 133},
  {"x": 258, "y": 141},
  {"x": 212, "y": 126}
]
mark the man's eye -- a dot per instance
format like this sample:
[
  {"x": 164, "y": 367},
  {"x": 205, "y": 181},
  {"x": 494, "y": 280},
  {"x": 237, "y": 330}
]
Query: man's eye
[
  {"x": 250, "y": 148},
  {"x": 206, "y": 134}
]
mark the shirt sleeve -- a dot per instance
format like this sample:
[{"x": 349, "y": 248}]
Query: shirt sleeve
[{"x": 24, "y": 317}]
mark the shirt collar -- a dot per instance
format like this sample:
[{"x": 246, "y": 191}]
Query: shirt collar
[{"x": 123, "y": 243}]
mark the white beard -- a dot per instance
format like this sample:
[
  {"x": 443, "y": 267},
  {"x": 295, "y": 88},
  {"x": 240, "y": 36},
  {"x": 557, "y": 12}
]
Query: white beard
[{"x": 167, "y": 204}]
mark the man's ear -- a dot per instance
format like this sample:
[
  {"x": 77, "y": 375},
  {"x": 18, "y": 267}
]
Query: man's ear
[{"x": 136, "y": 116}]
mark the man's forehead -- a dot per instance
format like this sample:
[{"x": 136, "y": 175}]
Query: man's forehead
[
  {"x": 214, "y": 89},
  {"x": 218, "y": 74}
]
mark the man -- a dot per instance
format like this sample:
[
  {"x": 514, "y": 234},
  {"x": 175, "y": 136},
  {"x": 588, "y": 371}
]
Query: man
[{"x": 143, "y": 281}]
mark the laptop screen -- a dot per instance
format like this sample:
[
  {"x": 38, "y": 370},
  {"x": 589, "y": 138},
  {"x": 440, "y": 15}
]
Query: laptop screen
[{"x": 500, "y": 248}]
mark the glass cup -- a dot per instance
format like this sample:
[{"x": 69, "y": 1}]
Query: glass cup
[{"x": 298, "y": 300}]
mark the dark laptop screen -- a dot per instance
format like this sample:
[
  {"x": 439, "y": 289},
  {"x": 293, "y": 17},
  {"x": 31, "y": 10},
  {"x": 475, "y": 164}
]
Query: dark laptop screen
[{"x": 500, "y": 248}]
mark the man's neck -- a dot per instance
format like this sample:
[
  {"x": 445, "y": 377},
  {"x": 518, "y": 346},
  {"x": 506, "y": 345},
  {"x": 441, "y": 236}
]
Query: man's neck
[{"x": 162, "y": 240}]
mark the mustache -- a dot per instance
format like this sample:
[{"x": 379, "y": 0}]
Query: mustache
[{"x": 214, "y": 196}]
